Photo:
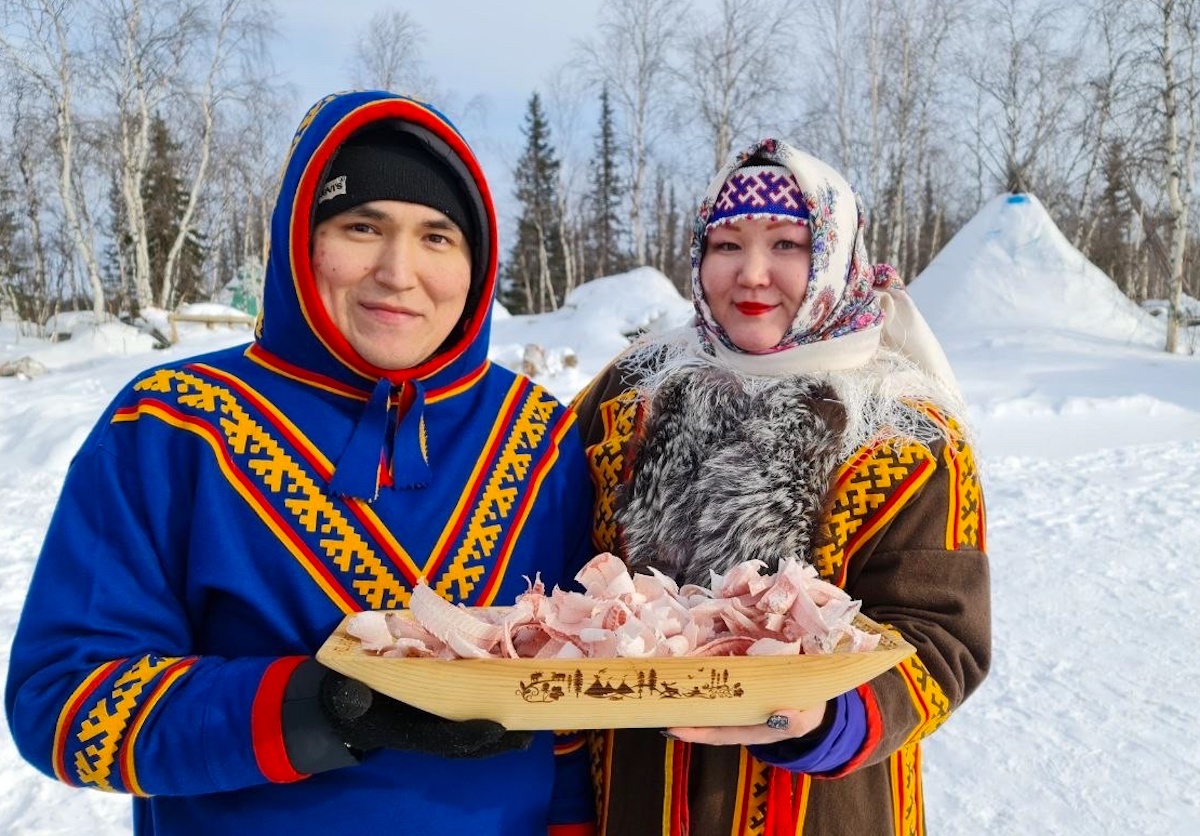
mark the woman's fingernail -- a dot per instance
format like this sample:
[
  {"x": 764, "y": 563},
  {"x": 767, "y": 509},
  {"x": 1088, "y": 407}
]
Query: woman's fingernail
[
  {"x": 668, "y": 735},
  {"x": 777, "y": 722}
]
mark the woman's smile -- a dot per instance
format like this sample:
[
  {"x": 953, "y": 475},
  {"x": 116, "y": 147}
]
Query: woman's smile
[{"x": 754, "y": 308}]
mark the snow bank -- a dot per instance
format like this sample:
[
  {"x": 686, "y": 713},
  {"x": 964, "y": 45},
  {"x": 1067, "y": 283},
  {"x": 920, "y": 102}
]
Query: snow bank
[{"x": 597, "y": 322}]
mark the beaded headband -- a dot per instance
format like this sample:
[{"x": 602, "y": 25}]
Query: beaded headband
[{"x": 759, "y": 191}]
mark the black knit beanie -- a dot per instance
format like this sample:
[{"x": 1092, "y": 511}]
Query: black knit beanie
[{"x": 384, "y": 164}]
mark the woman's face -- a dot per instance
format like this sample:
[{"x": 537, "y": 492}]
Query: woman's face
[{"x": 754, "y": 274}]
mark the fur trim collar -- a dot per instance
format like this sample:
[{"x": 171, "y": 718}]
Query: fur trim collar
[
  {"x": 878, "y": 392},
  {"x": 727, "y": 472}
]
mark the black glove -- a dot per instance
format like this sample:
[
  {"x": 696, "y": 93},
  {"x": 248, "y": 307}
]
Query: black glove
[{"x": 329, "y": 720}]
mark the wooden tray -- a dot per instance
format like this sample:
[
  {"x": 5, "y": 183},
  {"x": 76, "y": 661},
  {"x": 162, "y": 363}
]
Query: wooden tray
[{"x": 615, "y": 693}]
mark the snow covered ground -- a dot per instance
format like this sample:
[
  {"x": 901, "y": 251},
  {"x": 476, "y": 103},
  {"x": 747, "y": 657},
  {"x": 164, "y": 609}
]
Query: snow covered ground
[{"x": 1090, "y": 441}]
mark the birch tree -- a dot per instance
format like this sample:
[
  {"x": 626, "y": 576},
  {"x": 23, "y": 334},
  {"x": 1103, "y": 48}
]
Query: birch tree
[
  {"x": 1176, "y": 52},
  {"x": 564, "y": 96},
  {"x": 874, "y": 46},
  {"x": 37, "y": 43},
  {"x": 29, "y": 288},
  {"x": 1109, "y": 89},
  {"x": 12, "y": 267},
  {"x": 735, "y": 72},
  {"x": 148, "y": 45},
  {"x": 837, "y": 93},
  {"x": 1020, "y": 71},
  {"x": 903, "y": 95},
  {"x": 234, "y": 41},
  {"x": 389, "y": 56},
  {"x": 631, "y": 55},
  {"x": 880, "y": 108},
  {"x": 845, "y": 109}
]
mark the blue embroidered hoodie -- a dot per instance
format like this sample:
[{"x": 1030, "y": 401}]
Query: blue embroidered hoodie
[{"x": 227, "y": 511}]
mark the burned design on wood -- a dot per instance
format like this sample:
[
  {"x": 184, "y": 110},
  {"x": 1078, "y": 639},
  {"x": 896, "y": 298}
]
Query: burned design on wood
[{"x": 704, "y": 684}]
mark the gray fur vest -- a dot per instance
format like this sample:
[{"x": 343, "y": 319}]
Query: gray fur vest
[{"x": 725, "y": 473}]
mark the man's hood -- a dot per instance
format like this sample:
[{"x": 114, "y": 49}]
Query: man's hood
[{"x": 294, "y": 327}]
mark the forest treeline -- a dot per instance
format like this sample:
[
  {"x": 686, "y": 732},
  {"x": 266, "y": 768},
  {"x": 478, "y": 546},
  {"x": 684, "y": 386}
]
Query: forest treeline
[{"x": 144, "y": 137}]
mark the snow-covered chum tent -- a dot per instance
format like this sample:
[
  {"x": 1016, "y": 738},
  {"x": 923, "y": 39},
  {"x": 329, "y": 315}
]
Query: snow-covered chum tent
[{"x": 1011, "y": 269}]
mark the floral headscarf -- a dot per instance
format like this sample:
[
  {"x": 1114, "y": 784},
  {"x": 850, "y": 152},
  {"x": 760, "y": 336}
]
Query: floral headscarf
[{"x": 840, "y": 298}]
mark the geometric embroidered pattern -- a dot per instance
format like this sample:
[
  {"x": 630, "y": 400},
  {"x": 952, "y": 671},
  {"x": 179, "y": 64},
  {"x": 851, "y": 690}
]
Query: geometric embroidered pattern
[
  {"x": 928, "y": 698},
  {"x": 756, "y": 778},
  {"x": 508, "y": 490},
  {"x": 343, "y": 546},
  {"x": 282, "y": 485},
  {"x": 869, "y": 489},
  {"x": 119, "y": 694},
  {"x": 965, "y": 527},
  {"x": 608, "y": 463},
  {"x": 759, "y": 192},
  {"x": 905, "y": 768}
]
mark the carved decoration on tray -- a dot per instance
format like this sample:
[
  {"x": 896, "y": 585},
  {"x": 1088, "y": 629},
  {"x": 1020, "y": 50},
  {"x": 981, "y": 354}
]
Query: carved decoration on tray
[{"x": 705, "y": 684}]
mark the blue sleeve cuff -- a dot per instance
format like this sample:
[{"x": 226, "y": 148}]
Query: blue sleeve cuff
[{"x": 826, "y": 753}]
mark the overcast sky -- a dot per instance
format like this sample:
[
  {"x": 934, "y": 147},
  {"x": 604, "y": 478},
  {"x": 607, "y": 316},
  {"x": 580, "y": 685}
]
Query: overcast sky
[{"x": 495, "y": 52}]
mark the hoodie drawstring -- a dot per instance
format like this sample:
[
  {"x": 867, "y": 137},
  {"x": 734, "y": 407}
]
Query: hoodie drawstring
[{"x": 357, "y": 474}]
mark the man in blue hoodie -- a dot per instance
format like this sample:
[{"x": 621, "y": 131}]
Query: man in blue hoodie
[{"x": 229, "y": 510}]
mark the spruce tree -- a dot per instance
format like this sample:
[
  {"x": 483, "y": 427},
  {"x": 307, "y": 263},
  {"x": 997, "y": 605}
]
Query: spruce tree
[
  {"x": 165, "y": 197},
  {"x": 669, "y": 238},
  {"x": 10, "y": 261},
  {"x": 677, "y": 232},
  {"x": 534, "y": 276},
  {"x": 605, "y": 229},
  {"x": 114, "y": 268}
]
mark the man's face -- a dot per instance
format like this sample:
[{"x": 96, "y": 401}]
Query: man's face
[{"x": 394, "y": 278}]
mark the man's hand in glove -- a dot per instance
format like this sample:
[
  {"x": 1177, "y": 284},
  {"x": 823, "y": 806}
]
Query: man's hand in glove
[
  {"x": 369, "y": 720},
  {"x": 328, "y": 719}
]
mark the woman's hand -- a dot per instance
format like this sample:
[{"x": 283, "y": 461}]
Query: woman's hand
[{"x": 784, "y": 724}]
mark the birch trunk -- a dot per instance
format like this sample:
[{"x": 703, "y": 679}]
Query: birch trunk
[
  {"x": 209, "y": 99},
  {"x": 84, "y": 246},
  {"x": 1177, "y": 210},
  {"x": 133, "y": 130},
  {"x": 50, "y": 67},
  {"x": 630, "y": 57}
]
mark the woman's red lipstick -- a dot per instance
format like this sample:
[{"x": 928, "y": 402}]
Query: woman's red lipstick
[{"x": 753, "y": 308}]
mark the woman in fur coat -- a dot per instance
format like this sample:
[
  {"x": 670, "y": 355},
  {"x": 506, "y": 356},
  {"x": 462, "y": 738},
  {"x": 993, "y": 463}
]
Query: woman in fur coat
[{"x": 807, "y": 411}]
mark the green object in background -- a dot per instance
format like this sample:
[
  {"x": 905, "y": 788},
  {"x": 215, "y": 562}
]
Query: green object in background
[{"x": 244, "y": 301}]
